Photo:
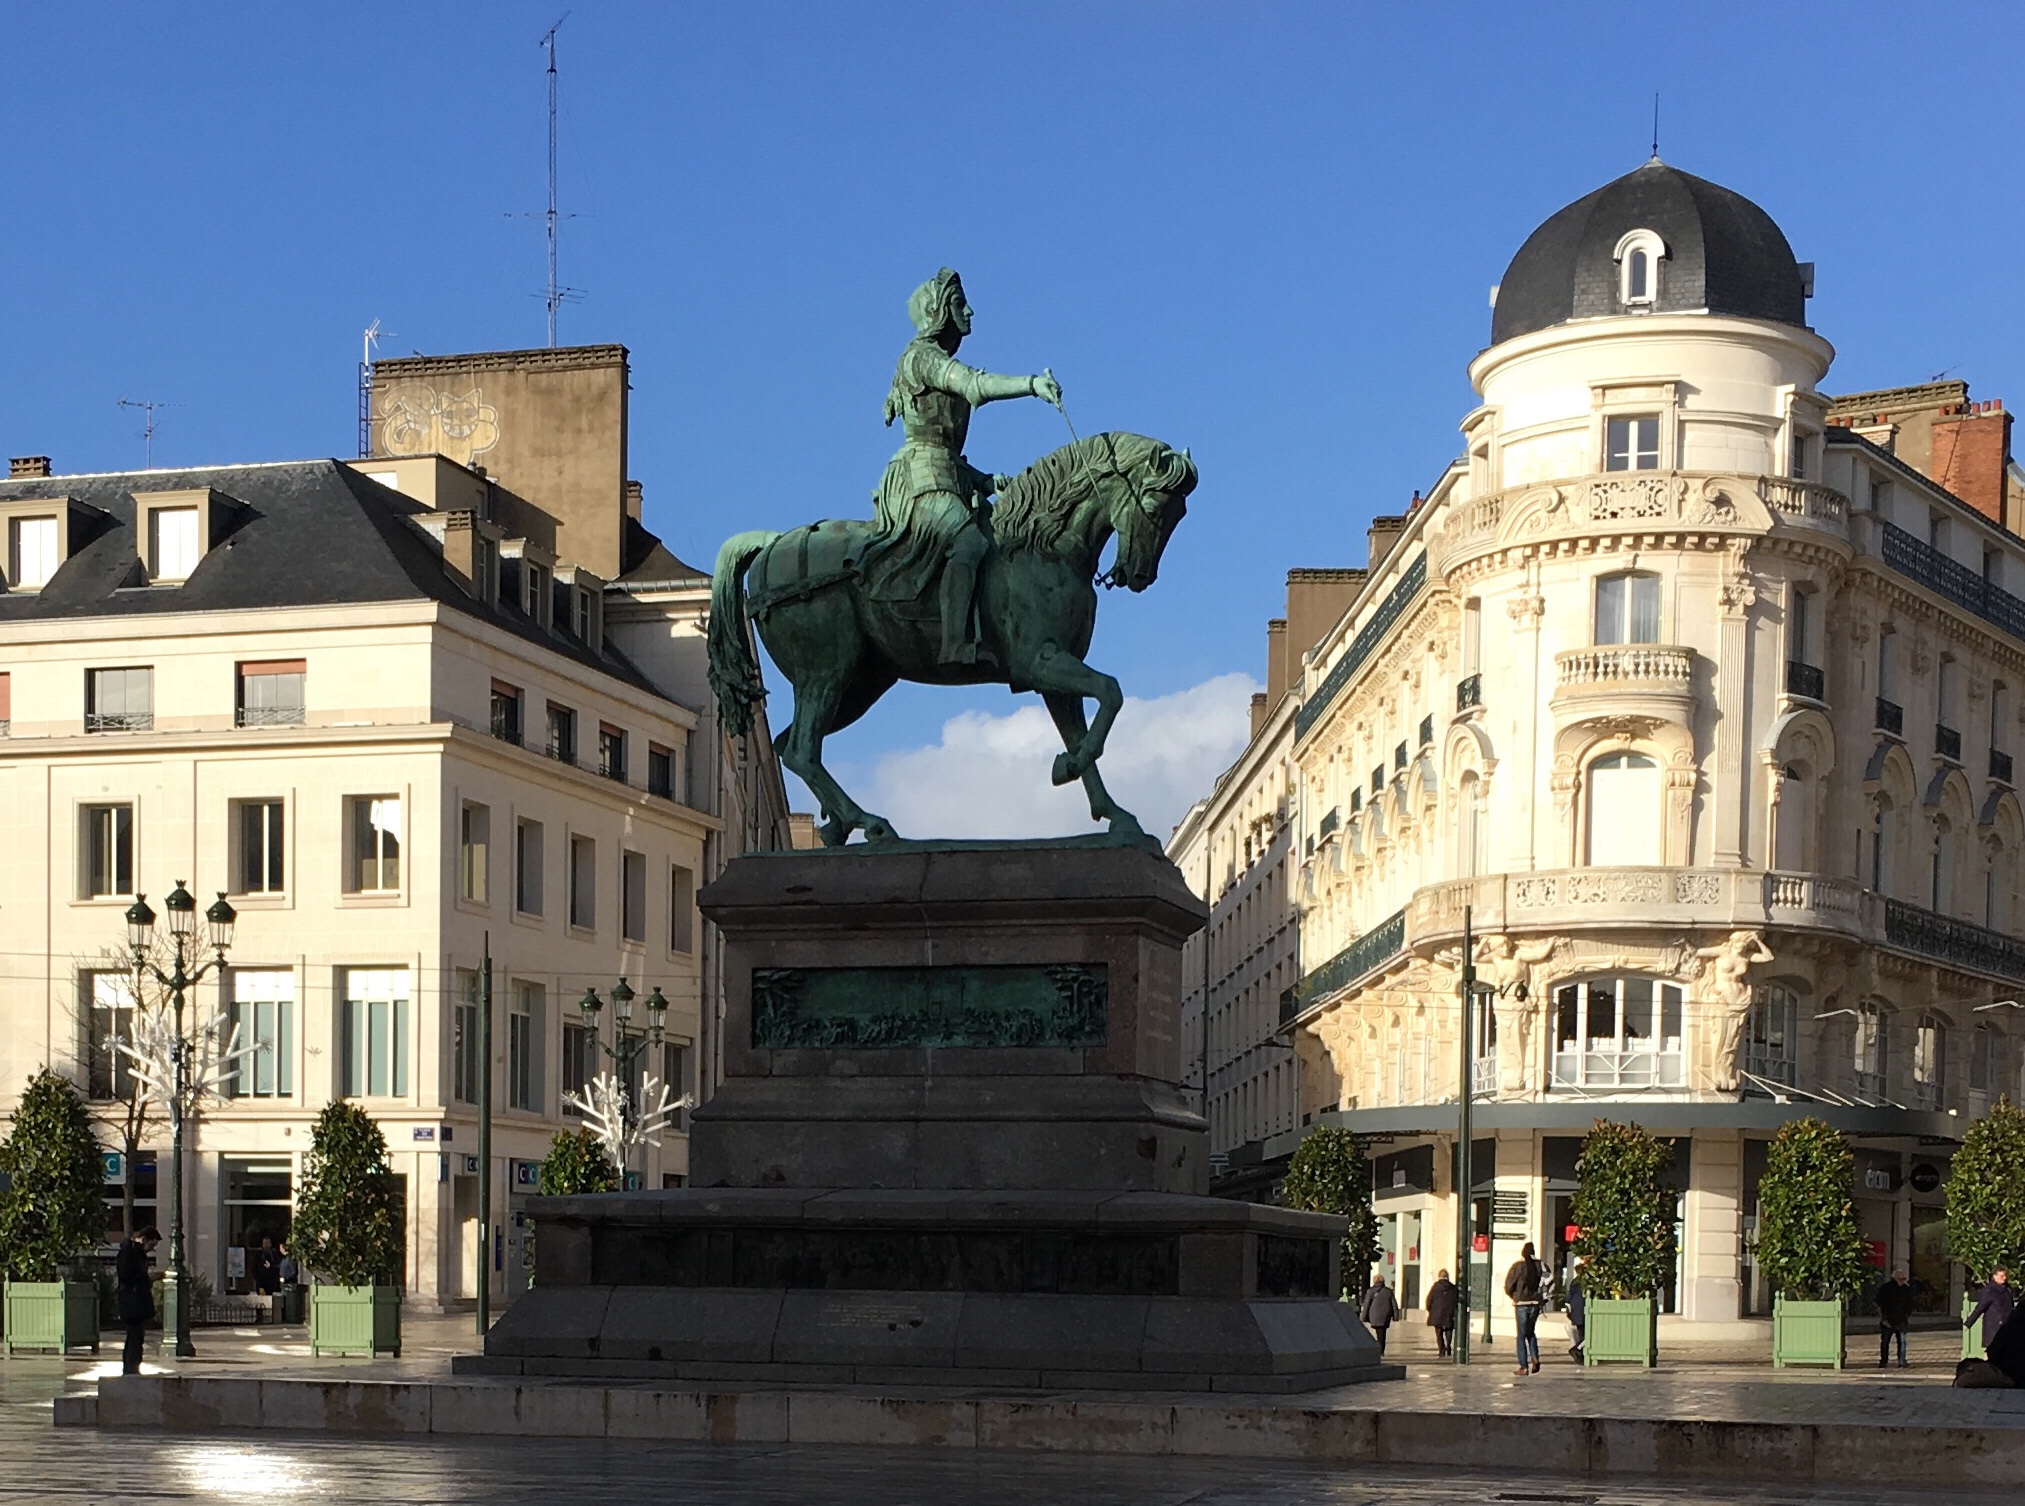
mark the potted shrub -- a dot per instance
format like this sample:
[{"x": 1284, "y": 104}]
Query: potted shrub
[
  {"x": 1329, "y": 1174},
  {"x": 577, "y": 1163},
  {"x": 1986, "y": 1204},
  {"x": 346, "y": 1234},
  {"x": 1624, "y": 1205},
  {"x": 1808, "y": 1244},
  {"x": 51, "y": 1213}
]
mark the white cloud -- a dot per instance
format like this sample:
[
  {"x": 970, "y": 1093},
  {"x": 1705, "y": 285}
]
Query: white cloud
[{"x": 988, "y": 776}]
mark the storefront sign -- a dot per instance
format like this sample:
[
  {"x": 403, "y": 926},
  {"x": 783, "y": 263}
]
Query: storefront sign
[
  {"x": 1926, "y": 1177},
  {"x": 526, "y": 1174},
  {"x": 114, "y": 1165},
  {"x": 1877, "y": 1252},
  {"x": 1480, "y": 1244}
]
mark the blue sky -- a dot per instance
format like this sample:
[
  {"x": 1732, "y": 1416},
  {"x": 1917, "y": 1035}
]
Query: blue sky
[{"x": 1263, "y": 231}]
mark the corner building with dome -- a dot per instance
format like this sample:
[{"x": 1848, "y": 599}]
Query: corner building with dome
[{"x": 1699, "y": 693}]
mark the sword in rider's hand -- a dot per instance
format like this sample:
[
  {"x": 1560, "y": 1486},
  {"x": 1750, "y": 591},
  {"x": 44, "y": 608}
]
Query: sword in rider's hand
[{"x": 1107, "y": 579}]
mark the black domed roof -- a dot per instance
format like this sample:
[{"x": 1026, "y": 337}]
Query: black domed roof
[{"x": 1724, "y": 255}]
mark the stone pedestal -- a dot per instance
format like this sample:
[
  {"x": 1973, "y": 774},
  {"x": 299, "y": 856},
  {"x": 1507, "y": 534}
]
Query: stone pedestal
[{"x": 950, "y": 1148}]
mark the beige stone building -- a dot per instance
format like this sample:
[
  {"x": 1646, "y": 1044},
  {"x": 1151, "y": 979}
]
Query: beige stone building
[
  {"x": 1698, "y": 690},
  {"x": 403, "y": 710}
]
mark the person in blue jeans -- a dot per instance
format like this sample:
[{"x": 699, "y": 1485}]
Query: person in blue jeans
[{"x": 1525, "y": 1284}]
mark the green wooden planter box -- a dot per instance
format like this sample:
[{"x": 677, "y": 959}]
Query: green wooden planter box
[
  {"x": 1620, "y": 1330},
  {"x": 1806, "y": 1333},
  {"x": 58, "y": 1315},
  {"x": 355, "y": 1320}
]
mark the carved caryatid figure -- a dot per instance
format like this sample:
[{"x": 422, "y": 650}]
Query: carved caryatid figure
[
  {"x": 1507, "y": 966},
  {"x": 1724, "y": 988}
]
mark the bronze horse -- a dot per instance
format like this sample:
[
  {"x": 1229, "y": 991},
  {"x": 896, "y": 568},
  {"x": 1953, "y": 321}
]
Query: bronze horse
[{"x": 815, "y": 598}]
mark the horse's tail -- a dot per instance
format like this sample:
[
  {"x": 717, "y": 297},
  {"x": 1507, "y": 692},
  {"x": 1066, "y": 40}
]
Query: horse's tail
[{"x": 734, "y": 671}]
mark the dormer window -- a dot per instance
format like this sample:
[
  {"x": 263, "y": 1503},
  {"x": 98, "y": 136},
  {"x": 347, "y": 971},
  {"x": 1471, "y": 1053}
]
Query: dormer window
[
  {"x": 173, "y": 547},
  {"x": 1638, "y": 257},
  {"x": 33, "y": 552}
]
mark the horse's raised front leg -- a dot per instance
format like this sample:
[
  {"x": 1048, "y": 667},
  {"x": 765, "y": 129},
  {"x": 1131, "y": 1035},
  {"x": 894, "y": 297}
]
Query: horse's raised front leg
[
  {"x": 1067, "y": 710},
  {"x": 801, "y": 748},
  {"x": 1055, "y": 671}
]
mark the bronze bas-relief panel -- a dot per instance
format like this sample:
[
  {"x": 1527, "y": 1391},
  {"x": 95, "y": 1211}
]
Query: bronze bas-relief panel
[{"x": 875, "y": 1008}]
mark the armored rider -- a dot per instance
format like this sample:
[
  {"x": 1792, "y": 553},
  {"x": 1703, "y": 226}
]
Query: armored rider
[{"x": 930, "y": 501}]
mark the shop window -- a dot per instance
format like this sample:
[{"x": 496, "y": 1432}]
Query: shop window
[
  {"x": 1872, "y": 1040},
  {"x": 1930, "y": 1062}
]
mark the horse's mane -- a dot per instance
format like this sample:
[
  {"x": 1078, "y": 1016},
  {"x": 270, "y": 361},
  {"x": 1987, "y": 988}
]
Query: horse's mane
[{"x": 1036, "y": 505}]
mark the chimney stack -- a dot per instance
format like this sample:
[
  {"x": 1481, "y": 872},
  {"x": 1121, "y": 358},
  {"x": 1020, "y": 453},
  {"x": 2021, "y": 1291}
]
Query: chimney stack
[
  {"x": 633, "y": 499},
  {"x": 27, "y": 465},
  {"x": 1384, "y": 533}
]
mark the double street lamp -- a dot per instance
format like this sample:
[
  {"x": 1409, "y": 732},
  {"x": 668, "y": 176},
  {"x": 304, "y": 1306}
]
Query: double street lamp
[
  {"x": 626, "y": 1049},
  {"x": 183, "y": 976},
  {"x": 1476, "y": 996}
]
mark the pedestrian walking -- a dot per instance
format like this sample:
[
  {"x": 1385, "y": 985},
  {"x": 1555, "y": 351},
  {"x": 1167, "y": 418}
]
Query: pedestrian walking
[
  {"x": 134, "y": 1294},
  {"x": 1894, "y": 1303},
  {"x": 1578, "y": 1311},
  {"x": 265, "y": 1267},
  {"x": 287, "y": 1269},
  {"x": 1441, "y": 1305},
  {"x": 1525, "y": 1284},
  {"x": 1378, "y": 1309},
  {"x": 1993, "y": 1306}
]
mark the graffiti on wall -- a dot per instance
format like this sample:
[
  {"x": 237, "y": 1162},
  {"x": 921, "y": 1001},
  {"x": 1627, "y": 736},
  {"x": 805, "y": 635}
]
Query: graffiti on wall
[{"x": 417, "y": 420}]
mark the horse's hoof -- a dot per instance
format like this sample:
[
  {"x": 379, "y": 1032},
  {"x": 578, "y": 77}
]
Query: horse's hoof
[
  {"x": 1066, "y": 771},
  {"x": 835, "y": 833},
  {"x": 1126, "y": 825},
  {"x": 877, "y": 829}
]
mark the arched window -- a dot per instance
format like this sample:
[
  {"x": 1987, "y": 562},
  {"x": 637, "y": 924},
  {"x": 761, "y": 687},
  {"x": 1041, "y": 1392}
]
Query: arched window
[
  {"x": 1986, "y": 1060},
  {"x": 1627, "y": 609},
  {"x": 1772, "y": 1052},
  {"x": 1930, "y": 1061},
  {"x": 1882, "y": 817},
  {"x": 1793, "y": 819},
  {"x": 1623, "y": 809},
  {"x": 1638, "y": 266},
  {"x": 1470, "y": 836},
  {"x": 1871, "y": 1040},
  {"x": 1620, "y": 1032}
]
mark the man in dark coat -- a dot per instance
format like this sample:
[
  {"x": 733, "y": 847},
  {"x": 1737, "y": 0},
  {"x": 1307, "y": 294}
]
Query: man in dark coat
[
  {"x": 1378, "y": 1309},
  {"x": 264, "y": 1266},
  {"x": 1525, "y": 1284},
  {"x": 1993, "y": 1306},
  {"x": 136, "y": 1298},
  {"x": 1441, "y": 1304},
  {"x": 1894, "y": 1302}
]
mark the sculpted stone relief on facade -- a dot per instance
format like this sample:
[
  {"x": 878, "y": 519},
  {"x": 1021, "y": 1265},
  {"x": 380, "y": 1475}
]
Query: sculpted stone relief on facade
[{"x": 1723, "y": 990}]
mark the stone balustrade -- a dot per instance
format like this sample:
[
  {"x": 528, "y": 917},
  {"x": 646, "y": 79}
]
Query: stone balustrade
[
  {"x": 1575, "y": 899},
  {"x": 1664, "y": 664},
  {"x": 1719, "y": 501}
]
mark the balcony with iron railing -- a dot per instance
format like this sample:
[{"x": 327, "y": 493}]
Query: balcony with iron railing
[
  {"x": 119, "y": 721},
  {"x": 269, "y": 716},
  {"x": 2000, "y": 766},
  {"x": 506, "y": 721},
  {"x": 1947, "y": 742},
  {"x": 1890, "y": 718},
  {"x": 1805, "y": 680},
  {"x": 1469, "y": 693}
]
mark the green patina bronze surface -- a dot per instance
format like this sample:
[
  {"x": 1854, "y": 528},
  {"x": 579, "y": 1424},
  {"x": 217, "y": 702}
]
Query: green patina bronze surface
[
  {"x": 863, "y": 1008},
  {"x": 945, "y": 585}
]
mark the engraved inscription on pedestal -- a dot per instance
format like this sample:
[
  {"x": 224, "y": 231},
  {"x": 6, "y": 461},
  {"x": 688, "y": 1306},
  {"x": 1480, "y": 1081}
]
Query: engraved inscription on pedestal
[{"x": 859, "y": 1008}]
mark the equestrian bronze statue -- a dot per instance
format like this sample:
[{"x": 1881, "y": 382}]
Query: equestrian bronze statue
[{"x": 946, "y": 586}]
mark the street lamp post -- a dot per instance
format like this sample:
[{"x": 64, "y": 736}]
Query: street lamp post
[
  {"x": 219, "y": 919},
  {"x": 1475, "y": 996},
  {"x": 625, "y": 1049}
]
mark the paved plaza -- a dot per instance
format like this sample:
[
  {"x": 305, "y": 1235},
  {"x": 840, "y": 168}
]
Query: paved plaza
[{"x": 42, "y": 1463}]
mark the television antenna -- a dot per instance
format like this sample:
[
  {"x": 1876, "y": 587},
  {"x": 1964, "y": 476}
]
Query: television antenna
[
  {"x": 557, "y": 295},
  {"x": 367, "y": 346},
  {"x": 149, "y": 424}
]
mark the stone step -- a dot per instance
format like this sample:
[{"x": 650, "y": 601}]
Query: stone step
[{"x": 1338, "y": 1428}]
